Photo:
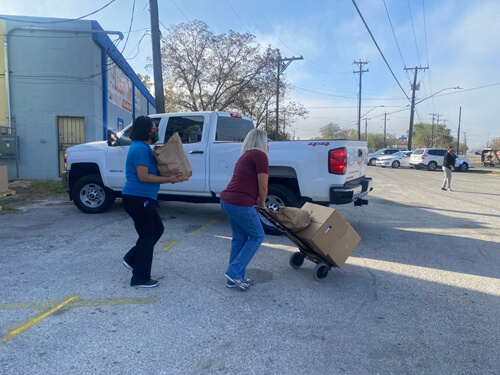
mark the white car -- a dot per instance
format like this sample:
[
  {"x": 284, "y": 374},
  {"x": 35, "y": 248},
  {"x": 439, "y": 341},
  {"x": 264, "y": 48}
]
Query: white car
[{"x": 399, "y": 159}]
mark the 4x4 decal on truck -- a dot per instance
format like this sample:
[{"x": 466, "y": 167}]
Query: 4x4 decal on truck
[{"x": 318, "y": 144}]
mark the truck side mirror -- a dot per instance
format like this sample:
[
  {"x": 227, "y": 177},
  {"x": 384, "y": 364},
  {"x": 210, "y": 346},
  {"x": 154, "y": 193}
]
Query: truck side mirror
[{"x": 111, "y": 137}]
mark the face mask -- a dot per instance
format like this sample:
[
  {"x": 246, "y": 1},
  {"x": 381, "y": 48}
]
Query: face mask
[{"x": 155, "y": 137}]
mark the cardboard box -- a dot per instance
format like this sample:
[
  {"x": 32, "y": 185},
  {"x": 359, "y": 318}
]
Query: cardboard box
[
  {"x": 329, "y": 234},
  {"x": 4, "y": 179}
]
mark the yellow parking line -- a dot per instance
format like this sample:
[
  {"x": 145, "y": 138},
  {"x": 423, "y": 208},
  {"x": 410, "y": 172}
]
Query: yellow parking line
[
  {"x": 36, "y": 320},
  {"x": 203, "y": 227},
  {"x": 169, "y": 245},
  {"x": 79, "y": 303}
]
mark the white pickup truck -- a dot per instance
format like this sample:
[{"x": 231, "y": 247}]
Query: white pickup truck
[{"x": 323, "y": 172}]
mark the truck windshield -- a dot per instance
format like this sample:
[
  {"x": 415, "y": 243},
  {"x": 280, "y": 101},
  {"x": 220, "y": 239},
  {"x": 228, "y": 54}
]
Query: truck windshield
[{"x": 232, "y": 129}]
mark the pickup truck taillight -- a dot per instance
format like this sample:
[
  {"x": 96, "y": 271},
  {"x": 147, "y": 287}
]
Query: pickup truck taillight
[{"x": 337, "y": 160}]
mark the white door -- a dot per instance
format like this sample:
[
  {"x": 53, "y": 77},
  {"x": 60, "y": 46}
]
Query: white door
[{"x": 194, "y": 133}]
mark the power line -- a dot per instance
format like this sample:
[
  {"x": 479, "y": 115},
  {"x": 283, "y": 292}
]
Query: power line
[
  {"x": 380, "y": 51},
  {"x": 414, "y": 35},
  {"x": 306, "y": 61},
  {"x": 393, "y": 33},
  {"x": 60, "y": 21},
  {"x": 425, "y": 33},
  {"x": 180, "y": 10}
]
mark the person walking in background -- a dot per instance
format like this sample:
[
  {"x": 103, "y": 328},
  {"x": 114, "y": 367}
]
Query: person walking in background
[
  {"x": 247, "y": 187},
  {"x": 139, "y": 197},
  {"x": 448, "y": 167}
]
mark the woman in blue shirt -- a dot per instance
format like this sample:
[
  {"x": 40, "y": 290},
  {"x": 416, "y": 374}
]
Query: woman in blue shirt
[{"x": 139, "y": 197}]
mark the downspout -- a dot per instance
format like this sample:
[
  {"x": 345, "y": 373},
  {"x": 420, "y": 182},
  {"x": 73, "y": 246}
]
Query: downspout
[
  {"x": 104, "y": 77},
  {"x": 6, "y": 54}
]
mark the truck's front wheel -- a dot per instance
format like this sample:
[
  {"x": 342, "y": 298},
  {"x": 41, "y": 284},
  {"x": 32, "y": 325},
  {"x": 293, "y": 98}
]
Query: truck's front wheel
[
  {"x": 90, "y": 195},
  {"x": 278, "y": 195}
]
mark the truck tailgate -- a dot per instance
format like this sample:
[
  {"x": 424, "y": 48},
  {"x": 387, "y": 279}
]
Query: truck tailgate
[{"x": 357, "y": 157}]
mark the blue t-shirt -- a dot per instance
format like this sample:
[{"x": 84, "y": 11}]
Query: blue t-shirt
[{"x": 140, "y": 154}]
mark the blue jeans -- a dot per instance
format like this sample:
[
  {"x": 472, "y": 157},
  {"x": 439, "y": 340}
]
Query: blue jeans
[{"x": 248, "y": 234}]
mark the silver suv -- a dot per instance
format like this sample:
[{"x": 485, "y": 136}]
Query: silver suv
[{"x": 432, "y": 158}]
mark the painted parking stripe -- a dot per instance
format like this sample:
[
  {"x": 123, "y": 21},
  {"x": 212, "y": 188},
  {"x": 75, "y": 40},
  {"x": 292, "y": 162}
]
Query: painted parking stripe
[
  {"x": 30, "y": 323},
  {"x": 79, "y": 303},
  {"x": 169, "y": 245},
  {"x": 71, "y": 302},
  {"x": 203, "y": 227}
]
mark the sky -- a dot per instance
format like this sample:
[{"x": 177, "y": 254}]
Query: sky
[{"x": 457, "y": 40}]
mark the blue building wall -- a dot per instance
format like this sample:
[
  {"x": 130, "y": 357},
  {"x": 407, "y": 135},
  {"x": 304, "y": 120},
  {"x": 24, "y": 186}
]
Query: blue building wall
[{"x": 63, "y": 73}]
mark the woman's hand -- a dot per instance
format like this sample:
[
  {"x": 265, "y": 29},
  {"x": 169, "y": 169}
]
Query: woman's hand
[
  {"x": 452, "y": 168},
  {"x": 173, "y": 179},
  {"x": 145, "y": 176}
]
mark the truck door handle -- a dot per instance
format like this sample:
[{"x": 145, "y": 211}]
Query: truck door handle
[{"x": 196, "y": 152}]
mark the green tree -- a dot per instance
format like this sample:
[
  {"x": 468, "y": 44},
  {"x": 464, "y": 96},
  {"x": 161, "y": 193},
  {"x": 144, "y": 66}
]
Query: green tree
[
  {"x": 425, "y": 136},
  {"x": 495, "y": 143},
  {"x": 330, "y": 130},
  {"x": 146, "y": 80}
]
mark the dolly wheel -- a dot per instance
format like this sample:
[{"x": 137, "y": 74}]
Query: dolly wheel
[
  {"x": 296, "y": 260},
  {"x": 321, "y": 271}
]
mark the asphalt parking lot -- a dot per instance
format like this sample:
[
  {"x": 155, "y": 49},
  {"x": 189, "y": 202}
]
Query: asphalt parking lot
[{"x": 419, "y": 295}]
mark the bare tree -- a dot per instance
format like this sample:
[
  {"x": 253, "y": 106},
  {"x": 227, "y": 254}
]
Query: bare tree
[
  {"x": 211, "y": 71},
  {"x": 228, "y": 72}
]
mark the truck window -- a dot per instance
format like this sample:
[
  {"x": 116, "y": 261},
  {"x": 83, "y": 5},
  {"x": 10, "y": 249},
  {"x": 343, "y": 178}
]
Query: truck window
[
  {"x": 232, "y": 129},
  {"x": 124, "y": 135},
  {"x": 190, "y": 128}
]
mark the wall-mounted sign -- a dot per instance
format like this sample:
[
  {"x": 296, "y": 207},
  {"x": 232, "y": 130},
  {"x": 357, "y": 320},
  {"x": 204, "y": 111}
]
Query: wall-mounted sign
[
  {"x": 137, "y": 100},
  {"x": 119, "y": 87}
]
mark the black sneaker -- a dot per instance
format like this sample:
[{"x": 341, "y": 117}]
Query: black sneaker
[
  {"x": 128, "y": 266},
  {"x": 240, "y": 283},
  {"x": 148, "y": 284},
  {"x": 230, "y": 284}
]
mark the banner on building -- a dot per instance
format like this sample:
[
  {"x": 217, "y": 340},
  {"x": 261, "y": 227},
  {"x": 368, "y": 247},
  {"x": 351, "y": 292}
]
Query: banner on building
[
  {"x": 137, "y": 100},
  {"x": 119, "y": 87}
]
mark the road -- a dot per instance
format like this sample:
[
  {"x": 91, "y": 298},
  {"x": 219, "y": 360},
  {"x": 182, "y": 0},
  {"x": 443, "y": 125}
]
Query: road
[{"x": 419, "y": 295}]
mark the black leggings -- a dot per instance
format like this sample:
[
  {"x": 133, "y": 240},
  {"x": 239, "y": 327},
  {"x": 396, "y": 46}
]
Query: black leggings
[{"x": 149, "y": 227}]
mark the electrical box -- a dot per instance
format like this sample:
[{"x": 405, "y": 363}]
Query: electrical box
[{"x": 8, "y": 146}]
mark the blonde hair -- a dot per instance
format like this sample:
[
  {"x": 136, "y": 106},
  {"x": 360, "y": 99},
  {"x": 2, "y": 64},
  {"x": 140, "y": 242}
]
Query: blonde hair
[{"x": 256, "y": 139}]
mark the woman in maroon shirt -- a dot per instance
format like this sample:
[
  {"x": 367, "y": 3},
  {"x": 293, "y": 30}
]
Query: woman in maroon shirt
[{"x": 247, "y": 188}]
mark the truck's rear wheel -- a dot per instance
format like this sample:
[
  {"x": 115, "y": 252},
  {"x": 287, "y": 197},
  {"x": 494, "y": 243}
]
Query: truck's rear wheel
[
  {"x": 277, "y": 196},
  {"x": 91, "y": 196}
]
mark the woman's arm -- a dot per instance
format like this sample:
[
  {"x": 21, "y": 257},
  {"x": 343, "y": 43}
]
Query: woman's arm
[
  {"x": 145, "y": 176},
  {"x": 263, "y": 179}
]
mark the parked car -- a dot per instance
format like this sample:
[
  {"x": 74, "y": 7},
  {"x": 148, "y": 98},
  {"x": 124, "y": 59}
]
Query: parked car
[
  {"x": 399, "y": 159},
  {"x": 372, "y": 158},
  {"x": 432, "y": 158}
]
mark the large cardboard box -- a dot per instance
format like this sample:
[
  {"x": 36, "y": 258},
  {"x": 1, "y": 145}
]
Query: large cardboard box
[
  {"x": 4, "y": 179},
  {"x": 329, "y": 234}
]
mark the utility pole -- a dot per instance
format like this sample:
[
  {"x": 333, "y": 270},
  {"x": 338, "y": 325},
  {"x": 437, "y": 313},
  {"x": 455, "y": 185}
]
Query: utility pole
[
  {"x": 465, "y": 141},
  {"x": 155, "y": 39},
  {"x": 412, "y": 111},
  {"x": 432, "y": 131},
  {"x": 385, "y": 129},
  {"x": 288, "y": 62},
  {"x": 360, "y": 71},
  {"x": 366, "y": 129},
  {"x": 458, "y": 135}
]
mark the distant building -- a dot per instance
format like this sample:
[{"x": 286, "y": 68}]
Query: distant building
[{"x": 62, "y": 82}]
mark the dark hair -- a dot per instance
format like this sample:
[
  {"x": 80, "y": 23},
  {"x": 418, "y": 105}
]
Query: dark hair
[
  {"x": 141, "y": 128},
  {"x": 449, "y": 148}
]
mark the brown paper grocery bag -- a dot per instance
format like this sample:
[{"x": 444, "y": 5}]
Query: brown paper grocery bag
[
  {"x": 293, "y": 218},
  {"x": 172, "y": 158}
]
